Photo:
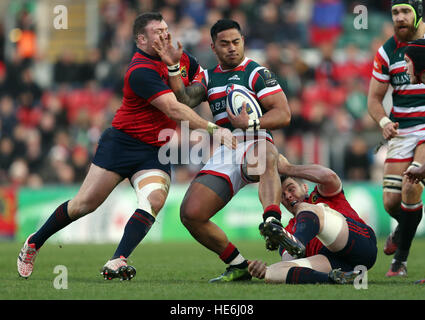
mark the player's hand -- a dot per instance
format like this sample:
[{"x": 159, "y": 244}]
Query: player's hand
[
  {"x": 390, "y": 130},
  {"x": 225, "y": 137},
  {"x": 414, "y": 174},
  {"x": 257, "y": 268},
  {"x": 240, "y": 121},
  {"x": 166, "y": 51}
]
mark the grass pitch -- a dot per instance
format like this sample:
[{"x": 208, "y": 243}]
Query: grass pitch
[{"x": 180, "y": 271}]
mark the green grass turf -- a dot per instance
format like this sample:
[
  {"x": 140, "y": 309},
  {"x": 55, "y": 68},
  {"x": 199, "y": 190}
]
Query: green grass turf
[{"x": 180, "y": 271}]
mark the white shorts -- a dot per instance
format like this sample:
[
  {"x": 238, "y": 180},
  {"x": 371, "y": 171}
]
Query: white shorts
[
  {"x": 227, "y": 163},
  {"x": 402, "y": 147}
]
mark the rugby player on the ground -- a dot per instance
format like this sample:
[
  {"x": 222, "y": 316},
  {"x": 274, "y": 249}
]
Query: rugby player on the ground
[{"x": 324, "y": 241}]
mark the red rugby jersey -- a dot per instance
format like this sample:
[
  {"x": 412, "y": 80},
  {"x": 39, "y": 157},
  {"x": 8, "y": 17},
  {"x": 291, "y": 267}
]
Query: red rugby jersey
[
  {"x": 146, "y": 79},
  {"x": 337, "y": 202}
]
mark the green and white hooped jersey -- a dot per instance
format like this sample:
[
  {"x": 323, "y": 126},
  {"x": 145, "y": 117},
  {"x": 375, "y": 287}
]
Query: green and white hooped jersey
[
  {"x": 257, "y": 79},
  {"x": 408, "y": 99}
]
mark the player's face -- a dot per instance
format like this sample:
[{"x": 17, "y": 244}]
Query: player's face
[
  {"x": 292, "y": 194},
  {"x": 229, "y": 48},
  {"x": 153, "y": 31},
  {"x": 403, "y": 19},
  {"x": 410, "y": 69}
]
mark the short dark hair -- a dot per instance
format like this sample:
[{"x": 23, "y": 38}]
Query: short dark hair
[
  {"x": 223, "y": 24},
  {"x": 142, "y": 20},
  {"x": 283, "y": 177}
]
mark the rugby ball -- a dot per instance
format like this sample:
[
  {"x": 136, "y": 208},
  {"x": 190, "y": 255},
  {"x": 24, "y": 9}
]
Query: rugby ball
[{"x": 235, "y": 99}]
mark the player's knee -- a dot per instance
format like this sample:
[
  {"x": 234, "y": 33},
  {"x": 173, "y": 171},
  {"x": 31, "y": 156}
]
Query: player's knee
[
  {"x": 411, "y": 189},
  {"x": 157, "y": 201},
  {"x": 190, "y": 211},
  {"x": 392, "y": 202},
  {"x": 272, "y": 155}
]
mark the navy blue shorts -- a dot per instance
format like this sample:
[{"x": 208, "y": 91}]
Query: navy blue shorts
[
  {"x": 125, "y": 155},
  {"x": 361, "y": 248}
]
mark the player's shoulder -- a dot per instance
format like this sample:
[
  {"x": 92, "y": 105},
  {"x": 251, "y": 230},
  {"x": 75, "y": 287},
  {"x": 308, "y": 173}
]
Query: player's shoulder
[{"x": 389, "y": 47}]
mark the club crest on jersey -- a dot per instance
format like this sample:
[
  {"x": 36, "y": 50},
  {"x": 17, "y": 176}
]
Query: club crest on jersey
[
  {"x": 183, "y": 72},
  {"x": 314, "y": 197},
  {"x": 230, "y": 87}
]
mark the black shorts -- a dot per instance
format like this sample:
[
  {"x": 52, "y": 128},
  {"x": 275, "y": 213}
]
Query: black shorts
[
  {"x": 361, "y": 248},
  {"x": 125, "y": 155}
]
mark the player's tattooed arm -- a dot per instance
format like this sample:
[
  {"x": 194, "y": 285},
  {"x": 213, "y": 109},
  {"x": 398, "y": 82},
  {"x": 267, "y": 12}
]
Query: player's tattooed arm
[{"x": 192, "y": 95}]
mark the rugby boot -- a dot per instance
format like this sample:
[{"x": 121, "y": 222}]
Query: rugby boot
[
  {"x": 397, "y": 269},
  {"x": 391, "y": 243},
  {"x": 118, "y": 268},
  {"x": 422, "y": 281},
  {"x": 26, "y": 258},
  {"x": 275, "y": 235},
  {"x": 233, "y": 273},
  {"x": 342, "y": 277}
]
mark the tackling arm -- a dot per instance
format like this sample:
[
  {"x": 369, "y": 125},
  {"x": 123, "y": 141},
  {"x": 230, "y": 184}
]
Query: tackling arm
[{"x": 326, "y": 179}]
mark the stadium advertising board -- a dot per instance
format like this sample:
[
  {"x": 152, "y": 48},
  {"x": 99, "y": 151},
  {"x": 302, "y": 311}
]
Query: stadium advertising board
[{"x": 239, "y": 219}]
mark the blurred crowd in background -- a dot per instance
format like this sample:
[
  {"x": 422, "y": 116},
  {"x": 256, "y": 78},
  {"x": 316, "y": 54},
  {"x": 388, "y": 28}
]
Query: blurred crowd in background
[{"x": 52, "y": 113}]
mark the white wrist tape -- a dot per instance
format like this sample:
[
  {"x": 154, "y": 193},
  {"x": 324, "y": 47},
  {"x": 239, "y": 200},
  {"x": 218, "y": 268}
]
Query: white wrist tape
[
  {"x": 174, "y": 70},
  {"x": 384, "y": 121}
]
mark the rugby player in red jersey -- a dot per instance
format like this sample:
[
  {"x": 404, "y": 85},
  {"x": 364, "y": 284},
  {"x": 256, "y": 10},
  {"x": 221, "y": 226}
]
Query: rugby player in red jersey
[
  {"x": 218, "y": 182},
  {"x": 324, "y": 241},
  {"x": 403, "y": 128},
  {"x": 129, "y": 149}
]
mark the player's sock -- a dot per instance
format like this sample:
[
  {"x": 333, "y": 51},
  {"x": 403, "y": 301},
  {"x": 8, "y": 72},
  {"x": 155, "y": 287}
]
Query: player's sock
[
  {"x": 302, "y": 275},
  {"x": 410, "y": 218},
  {"x": 135, "y": 230},
  {"x": 272, "y": 211},
  {"x": 57, "y": 221},
  {"x": 307, "y": 226},
  {"x": 232, "y": 256}
]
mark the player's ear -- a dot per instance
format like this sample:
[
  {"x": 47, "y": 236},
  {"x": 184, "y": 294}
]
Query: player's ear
[{"x": 305, "y": 188}]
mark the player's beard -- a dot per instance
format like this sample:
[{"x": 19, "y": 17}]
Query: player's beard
[{"x": 405, "y": 35}]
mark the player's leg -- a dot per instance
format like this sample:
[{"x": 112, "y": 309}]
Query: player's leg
[
  {"x": 260, "y": 164},
  {"x": 328, "y": 225},
  {"x": 410, "y": 217},
  {"x": 392, "y": 186},
  {"x": 311, "y": 270},
  {"x": 96, "y": 187},
  {"x": 151, "y": 187},
  {"x": 207, "y": 195}
]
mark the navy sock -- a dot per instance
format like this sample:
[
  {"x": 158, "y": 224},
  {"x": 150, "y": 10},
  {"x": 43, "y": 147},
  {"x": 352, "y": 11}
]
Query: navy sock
[
  {"x": 57, "y": 221},
  {"x": 411, "y": 216},
  {"x": 307, "y": 226},
  {"x": 302, "y": 275},
  {"x": 135, "y": 230}
]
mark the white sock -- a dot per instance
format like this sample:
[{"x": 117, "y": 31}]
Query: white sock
[{"x": 238, "y": 260}]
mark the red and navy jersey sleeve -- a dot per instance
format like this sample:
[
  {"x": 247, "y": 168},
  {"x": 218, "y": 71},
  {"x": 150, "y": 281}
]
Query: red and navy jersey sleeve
[
  {"x": 194, "y": 67},
  {"x": 147, "y": 83}
]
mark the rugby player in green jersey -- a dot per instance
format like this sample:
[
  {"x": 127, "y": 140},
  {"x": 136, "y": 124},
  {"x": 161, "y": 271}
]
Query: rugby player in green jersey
[
  {"x": 404, "y": 129},
  {"x": 218, "y": 181}
]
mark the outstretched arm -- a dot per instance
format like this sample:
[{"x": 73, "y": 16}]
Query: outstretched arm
[
  {"x": 192, "y": 95},
  {"x": 326, "y": 179}
]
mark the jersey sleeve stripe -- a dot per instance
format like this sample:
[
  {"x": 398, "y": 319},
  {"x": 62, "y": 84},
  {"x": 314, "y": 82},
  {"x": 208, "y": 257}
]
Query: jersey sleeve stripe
[
  {"x": 251, "y": 77},
  {"x": 268, "y": 91},
  {"x": 380, "y": 77},
  {"x": 159, "y": 94},
  {"x": 383, "y": 55}
]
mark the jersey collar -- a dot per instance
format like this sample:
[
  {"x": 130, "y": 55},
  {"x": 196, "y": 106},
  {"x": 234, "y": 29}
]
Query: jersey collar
[{"x": 147, "y": 55}]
